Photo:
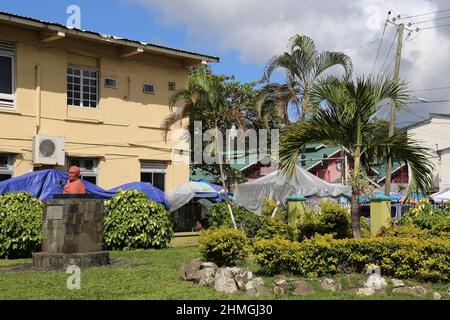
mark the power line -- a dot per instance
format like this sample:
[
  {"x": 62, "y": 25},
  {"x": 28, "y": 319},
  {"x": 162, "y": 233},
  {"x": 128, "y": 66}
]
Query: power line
[
  {"x": 423, "y": 14},
  {"x": 435, "y": 19},
  {"x": 390, "y": 48},
  {"x": 442, "y": 25},
  {"x": 379, "y": 46},
  {"x": 393, "y": 59}
]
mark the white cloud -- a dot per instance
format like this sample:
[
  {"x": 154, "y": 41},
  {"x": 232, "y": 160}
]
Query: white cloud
[{"x": 258, "y": 30}]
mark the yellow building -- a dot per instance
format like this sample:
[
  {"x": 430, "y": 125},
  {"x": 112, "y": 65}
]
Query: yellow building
[{"x": 77, "y": 97}]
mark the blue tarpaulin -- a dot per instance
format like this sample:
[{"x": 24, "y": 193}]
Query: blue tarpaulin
[{"x": 44, "y": 184}]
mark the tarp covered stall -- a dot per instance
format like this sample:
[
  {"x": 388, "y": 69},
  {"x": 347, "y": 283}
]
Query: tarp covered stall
[
  {"x": 441, "y": 196},
  {"x": 184, "y": 193},
  {"x": 44, "y": 184},
  {"x": 277, "y": 186}
]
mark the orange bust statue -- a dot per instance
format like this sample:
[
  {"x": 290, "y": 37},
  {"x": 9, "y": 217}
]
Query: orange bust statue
[{"x": 74, "y": 185}]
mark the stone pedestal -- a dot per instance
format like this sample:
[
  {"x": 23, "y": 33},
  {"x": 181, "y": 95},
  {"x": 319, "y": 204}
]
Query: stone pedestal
[{"x": 72, "y": 234}]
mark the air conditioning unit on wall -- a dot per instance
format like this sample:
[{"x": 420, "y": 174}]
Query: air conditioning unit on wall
[{"x": 49, "y": 150}]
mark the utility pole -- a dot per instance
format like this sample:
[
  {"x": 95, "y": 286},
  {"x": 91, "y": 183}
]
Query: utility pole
[{"x": 387, "y": 186}]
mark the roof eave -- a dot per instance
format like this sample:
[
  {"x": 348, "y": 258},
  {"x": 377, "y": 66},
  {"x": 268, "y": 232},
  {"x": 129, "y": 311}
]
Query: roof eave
[{"x": 94, "y": 36}]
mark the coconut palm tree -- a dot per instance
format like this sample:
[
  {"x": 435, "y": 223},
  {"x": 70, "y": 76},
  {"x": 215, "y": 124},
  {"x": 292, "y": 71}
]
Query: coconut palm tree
[
  {"x": 345, "y": 118},
  {"x": 303, "y": 66},
  {"x": 205, "y": 98}
]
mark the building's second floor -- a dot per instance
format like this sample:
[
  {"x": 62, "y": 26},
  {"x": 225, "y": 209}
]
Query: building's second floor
[{"x": 53, "y": 78}]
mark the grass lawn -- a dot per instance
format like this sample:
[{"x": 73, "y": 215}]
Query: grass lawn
[{"x": 153, "y": 274}]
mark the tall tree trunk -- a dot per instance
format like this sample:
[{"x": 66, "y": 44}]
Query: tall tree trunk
[
  {"x": 356, "y": 225},
  {"x": 222, "y": 176},
  {"x": 354, "y": 209}
]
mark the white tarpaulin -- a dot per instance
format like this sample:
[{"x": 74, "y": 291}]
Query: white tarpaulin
[
  {"x": 440, "y": 196},
  {"x": 277, "y": 186},
  {"x": 184, "y": 193}
]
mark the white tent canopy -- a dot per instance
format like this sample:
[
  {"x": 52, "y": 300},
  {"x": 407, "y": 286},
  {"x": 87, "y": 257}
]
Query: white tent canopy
[
  {"x": 278, "y": 187},
  {"x": 443, "y": 195}
]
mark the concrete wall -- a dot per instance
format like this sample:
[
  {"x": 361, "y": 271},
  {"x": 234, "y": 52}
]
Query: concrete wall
[
  {"x": 124, "y": 128},
  {"x": 432, "y": 134}
]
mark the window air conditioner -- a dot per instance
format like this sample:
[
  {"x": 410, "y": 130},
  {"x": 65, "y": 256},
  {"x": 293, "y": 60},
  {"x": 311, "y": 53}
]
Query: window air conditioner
[{"x": 49, "y": 150}]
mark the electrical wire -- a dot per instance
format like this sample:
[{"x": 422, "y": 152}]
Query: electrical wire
[
  {"x": 424, "y": 21},
  {"x": 442, "y": 25},
  {"x": 379, "y": 46},
  {"x": 390, "y": 48},
  {"x": 424, "y": 14}
]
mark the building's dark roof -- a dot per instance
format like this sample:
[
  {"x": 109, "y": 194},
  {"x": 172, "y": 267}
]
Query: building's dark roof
[
  {"x": 432, "y": 115},
  {"x": 45, "y": 25}
]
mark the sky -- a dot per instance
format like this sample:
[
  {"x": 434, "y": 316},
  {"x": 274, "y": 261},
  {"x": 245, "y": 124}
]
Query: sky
[{"x": 245, "y": 34}]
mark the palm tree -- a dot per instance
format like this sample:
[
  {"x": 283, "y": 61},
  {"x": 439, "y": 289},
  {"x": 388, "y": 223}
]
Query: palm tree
[
  {"x": 205, "y": 98},
  {"x": 303, "y": 66},
  {"x": 345, "y": 119}
]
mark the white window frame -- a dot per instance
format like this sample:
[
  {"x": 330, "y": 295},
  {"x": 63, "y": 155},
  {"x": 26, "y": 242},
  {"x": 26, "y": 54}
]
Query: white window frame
[
  {"x": 148, "y": 166},
  {"x": 97, "y": 91},
  {"x": 10, "y": 97}
]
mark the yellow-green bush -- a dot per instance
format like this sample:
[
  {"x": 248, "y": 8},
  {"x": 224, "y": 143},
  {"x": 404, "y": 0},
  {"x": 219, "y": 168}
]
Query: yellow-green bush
[
  {"x": 20, "y": 225},
  {"x": 322, "y": 255},
  {"x": 273, "y": 228},
  {"x": 223, "y": 245},
  {"x": 331, "y": 219},
  {"x": 132, "y": 221}
]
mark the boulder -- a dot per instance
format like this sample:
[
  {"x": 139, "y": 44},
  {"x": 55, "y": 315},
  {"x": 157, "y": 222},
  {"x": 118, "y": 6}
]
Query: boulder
[
  {"x": 242, "y": 277},
  {"x": 257, "y": 290},
  {"x": 417, "y": 290},
  {"x": 365, "y": 291},
  {"x": 375, "y": 281},
  {"x": 302, "y": 288},
  {"x": 205, "y": 277},
  {"x": 223, "y": 282},
  {"x": 196, "y": 263},
  {"x": 278, "y": 290},
  {"x": 396, "y": 283},
  {"x": 187, "y": 272},
  {"x": 331, "y": 284},
  {"x": 280, "y": 280},
  {"x": 437, "y": 296},
  {"x": 209, "y": 265}
]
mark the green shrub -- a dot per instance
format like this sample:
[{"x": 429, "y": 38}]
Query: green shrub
[
  {"x": 331, "y": 219},
  {"x": 273, "y": 228},
  {"x": 133, "y": 221},
  {"x": 424, "y": 216},
  {"x": 269, "y": 207},
  {"x": 427, "y": 260},
  {"x": 245, "y": 219},
  {"x": 20, "y": 225},
  {"x": 223, "y": 245}
]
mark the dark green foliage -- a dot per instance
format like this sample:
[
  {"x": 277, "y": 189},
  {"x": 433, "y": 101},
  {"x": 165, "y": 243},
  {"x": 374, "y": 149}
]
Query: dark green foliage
[
  {"x": 223, "y": 245},
  {"x": 132, "y": 221},
  {"x": 245, "y": 219},
  {"x": 322, "y": 255},
  {"x": 20, "y": 225},
  {"x": 331, "y": 219}
]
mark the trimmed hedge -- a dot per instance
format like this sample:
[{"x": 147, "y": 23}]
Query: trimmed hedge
[
  {"x": 132, "y": 221},
  {"x": 322, "y": 255},
  {"x": 223, "y": 245},
  {"x": 20, "y": 225}
]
